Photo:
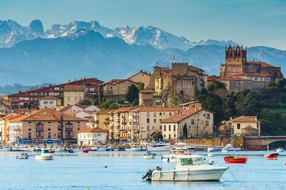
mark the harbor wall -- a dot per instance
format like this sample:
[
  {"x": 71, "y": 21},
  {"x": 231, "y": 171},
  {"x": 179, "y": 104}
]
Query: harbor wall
[{"x": 237, "y": 142}]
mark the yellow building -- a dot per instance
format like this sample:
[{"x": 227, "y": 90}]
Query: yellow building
[
  {"x": 74, "y": 94},
  {"x": 245, "y": 125},
  {"x": 141, "y": 77}
]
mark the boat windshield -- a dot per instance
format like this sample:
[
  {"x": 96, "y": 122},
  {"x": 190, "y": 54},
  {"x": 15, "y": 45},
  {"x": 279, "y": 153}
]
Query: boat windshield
[
  {"x": 192, "y": 161},
  {"x": 46, "y": 151}
]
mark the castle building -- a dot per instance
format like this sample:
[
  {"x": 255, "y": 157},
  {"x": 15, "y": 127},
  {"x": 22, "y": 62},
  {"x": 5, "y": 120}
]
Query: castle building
[
  {"x": 239, "y": 74},
  {"x": 182, "y": 80}
]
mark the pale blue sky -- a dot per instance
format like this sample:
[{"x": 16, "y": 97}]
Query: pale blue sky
[{"x": 247, "y": 22}]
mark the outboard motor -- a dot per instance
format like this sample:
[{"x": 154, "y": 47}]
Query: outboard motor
[{"x": 148, "y": 175}]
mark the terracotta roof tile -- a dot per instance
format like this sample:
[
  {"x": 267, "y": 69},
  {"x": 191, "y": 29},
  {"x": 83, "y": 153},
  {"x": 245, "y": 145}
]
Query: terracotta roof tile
[
  {"x": 49, "y": 98},
  {"x": 92, "y": 130},
  {"x": 245, "y": 119},
  {"x": 47, "y": 114},
  {"x": 74, "y": 88}
]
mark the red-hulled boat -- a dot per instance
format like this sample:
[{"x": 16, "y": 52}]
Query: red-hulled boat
[
  {"x": 235, "y": 160},
  {"x": 271, "y": 156},
  {"x": 52, "y": 151},
  {"x": 85, "y": 150}
]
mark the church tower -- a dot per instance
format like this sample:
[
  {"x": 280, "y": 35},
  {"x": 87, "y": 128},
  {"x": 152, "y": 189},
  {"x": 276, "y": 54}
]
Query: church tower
[{"x": 235, "y": 61}]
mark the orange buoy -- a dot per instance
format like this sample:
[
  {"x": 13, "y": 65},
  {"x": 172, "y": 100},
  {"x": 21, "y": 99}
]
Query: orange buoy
[{"x": 105, "y": 166}]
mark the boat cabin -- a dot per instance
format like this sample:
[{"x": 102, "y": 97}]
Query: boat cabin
[{"x": 190, "y": 160}]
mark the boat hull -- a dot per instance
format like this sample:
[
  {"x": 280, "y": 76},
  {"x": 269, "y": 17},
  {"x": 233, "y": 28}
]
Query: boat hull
[
  {"x": 188, "y": 175},
  {"x": 39, "y": 157},
  {"x": 272, "y": 156},
  {"x": 152, "y": 156},
  {"x": 235, "y": 160},
  {"x": 22, "y": 157}
]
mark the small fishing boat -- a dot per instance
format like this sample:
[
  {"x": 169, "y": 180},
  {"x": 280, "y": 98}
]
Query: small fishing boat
[
  {"x": 235, "y": 160},
  {"x": 23, "y": 155},
  {"x": 271, "y": 156},
  {"x": 280, "y": 149},
  {"x": 149, "y": 155},
  {"x": 45, "y": 155}
]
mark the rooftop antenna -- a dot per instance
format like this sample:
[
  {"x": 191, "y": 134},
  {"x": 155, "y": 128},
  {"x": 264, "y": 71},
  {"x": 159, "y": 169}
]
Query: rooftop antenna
[{"x": 174, "y": 58}]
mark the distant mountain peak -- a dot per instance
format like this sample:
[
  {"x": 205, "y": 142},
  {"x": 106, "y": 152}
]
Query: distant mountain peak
[{"x": 37, "y": 27}]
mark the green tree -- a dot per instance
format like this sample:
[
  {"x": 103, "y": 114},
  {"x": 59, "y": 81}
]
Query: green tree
[
  {"x": 104, "y": 105},
  {"x": 113, "y": 106},
  {"x": 132, "y": 93},
  {"x": 141, "y": 87},
  {"x": 85, "y": 102}
]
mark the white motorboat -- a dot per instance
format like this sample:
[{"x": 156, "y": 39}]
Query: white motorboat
[
  {"x": 45, "y": 155},
  {"x": 280, "y": 149},
  {"x": 229, "y": 147},
  {"x": 6, "y": 148},
  {"x": 149, "y": 155},
  {"x": 188, "y": 168},
  {"x": 23, "y": 155},
  {"x": 158, "y": 147},
  {"x": 134, "y": 148}
]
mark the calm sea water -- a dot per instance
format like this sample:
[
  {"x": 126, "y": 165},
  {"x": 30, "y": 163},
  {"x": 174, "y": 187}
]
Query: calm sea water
[{"x": 125, "y": 170}]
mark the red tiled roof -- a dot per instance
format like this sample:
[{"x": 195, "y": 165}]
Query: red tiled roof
[
  {"x": 49, "y": 98},
  {"x": 252, "y": 74},
  {"x": 245, "y": 119},
  {"x": 231, "y": 78},
  {"x": 263, "y": 64},
  {"x": 74, "y": 87},
  {"x": 115, "y": 81},
  {"x": 92, "y": 130},
  {"x": 47, "y": 114}
]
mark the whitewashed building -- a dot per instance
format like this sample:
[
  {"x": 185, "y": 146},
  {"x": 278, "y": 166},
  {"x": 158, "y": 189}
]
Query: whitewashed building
[{"x": 91, "y": 136}]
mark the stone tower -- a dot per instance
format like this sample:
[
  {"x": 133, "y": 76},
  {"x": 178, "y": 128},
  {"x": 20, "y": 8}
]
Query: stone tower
[{"x": 235, "y": 61}]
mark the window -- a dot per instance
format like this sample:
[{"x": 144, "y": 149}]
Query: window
[
  {"x": 169, "y": 136},
  {"x": 174, "y": 127},
  {"x": 45, "y": 102},
  {"x": 160, "y": 114},
  {"x": 154, "y": 114},
  {"x": 148, "y": 114},
  {"x": 51, "y": 102},
  {"x": 238, "y": 126},
  {"x": 148, "y": 120},
  {"x": 154, "y": 120},
  {"x": 49, "y": 126},
  {"x": 29, "y": 127},
  {"x": 164, "y": 127},
  {"x": 153, "y": 127},
  {"x": 192, "y": 121},
  {"x": 49, "y": 135},
  {"x": 78, "y": 125},
  {"x": 29, "y": 135},
  {"x": 59, "y": 135},
  {"x": 170, "y": 114},
  {"x": 208, "y": 116},
  {"x": 148, "y": 128},
  {"x": 207, "y": 123},
  {"x": 169, "y": 127}
]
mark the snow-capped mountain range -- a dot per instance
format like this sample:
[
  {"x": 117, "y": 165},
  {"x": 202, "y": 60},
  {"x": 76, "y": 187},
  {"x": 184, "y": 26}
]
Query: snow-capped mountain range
[
  {"x": 30, "y": 56},
  {"x": 11, "y": 33}
]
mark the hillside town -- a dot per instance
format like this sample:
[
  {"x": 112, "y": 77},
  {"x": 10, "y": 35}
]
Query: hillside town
[{"x": 167, "y": 105}]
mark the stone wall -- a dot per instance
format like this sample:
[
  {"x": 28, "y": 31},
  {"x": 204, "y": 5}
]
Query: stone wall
[{"x": 217, "y": 142}]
